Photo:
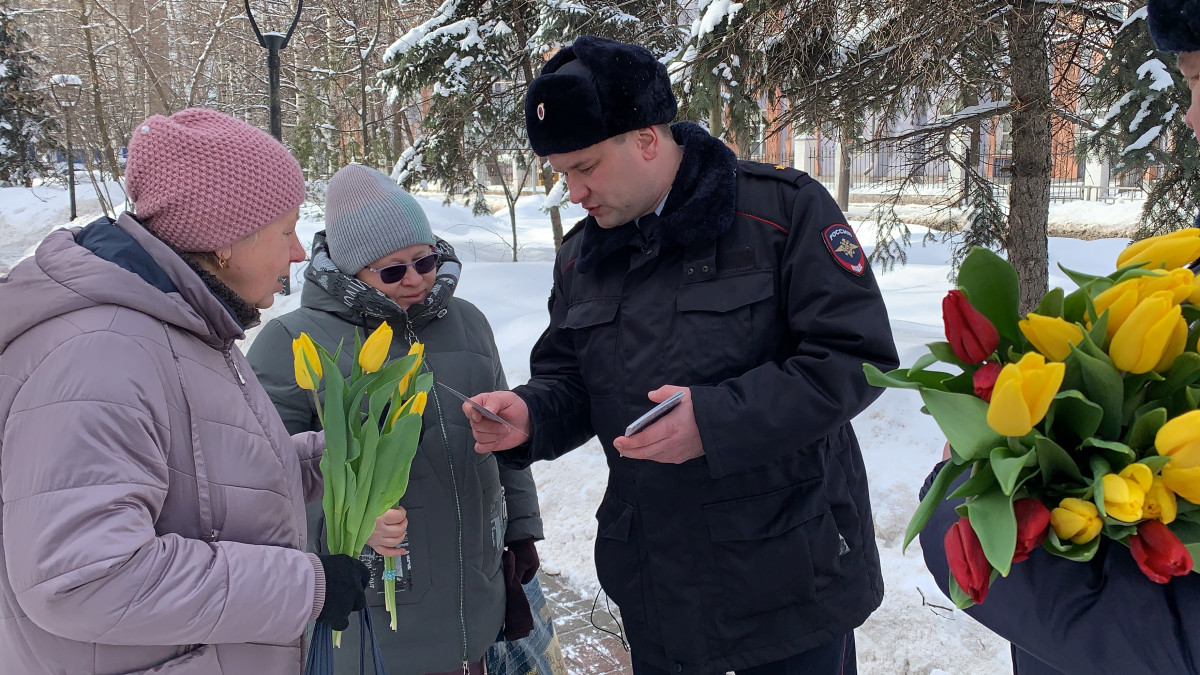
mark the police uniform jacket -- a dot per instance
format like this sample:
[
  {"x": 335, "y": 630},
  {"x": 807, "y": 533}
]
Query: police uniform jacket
[{"x": 752, "y": 291}]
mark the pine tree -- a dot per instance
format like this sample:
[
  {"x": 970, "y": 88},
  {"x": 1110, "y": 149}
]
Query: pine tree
[
  {"x": 25, "y": 120},
  {"x": 1143, "y": 129},
  {"x": 923, "y": 75}
]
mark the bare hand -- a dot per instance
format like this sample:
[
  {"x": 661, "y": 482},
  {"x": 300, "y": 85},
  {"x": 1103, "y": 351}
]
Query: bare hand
[
  {"x": 674, "y": 439},
  {"x": 390, "y": 529},
  {"x": 492, "y": 436}
]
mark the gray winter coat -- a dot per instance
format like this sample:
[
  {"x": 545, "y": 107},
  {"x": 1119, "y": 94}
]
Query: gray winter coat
[
  {"x": 152, "y": 500},
  {"x": 457, "y": 500}
]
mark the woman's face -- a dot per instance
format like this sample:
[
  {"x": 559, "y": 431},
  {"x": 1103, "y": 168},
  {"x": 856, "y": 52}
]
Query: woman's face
[
  {"x": 410, "y": 289},
  {"x": 258, "y": 263}
]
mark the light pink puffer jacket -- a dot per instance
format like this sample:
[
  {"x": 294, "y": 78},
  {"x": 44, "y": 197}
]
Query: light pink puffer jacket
[{"x": 153, "y": 503}]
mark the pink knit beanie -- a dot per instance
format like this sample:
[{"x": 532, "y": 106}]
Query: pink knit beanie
[{"x": 202, "y": 180}]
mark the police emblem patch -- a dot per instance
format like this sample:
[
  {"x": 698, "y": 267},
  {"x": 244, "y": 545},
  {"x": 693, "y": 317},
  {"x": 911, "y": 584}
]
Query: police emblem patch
[
  {"x": 541, "y": 111},
  {"x": 844, "y": 248}
]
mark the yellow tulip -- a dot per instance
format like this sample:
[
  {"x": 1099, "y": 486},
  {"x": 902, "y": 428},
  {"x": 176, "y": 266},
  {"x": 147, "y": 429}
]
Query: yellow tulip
[
  {"x": 1183, "y": 482},
  {"x": 1141, "y": 343},
  {"x": 1160, "y": 503},
  {"x": 1125, "y": 493},
  {"x": 1022, "y": 394},
  {"x": 375, "y": 350},
  {"x": 1051, "y": 336},
  {"x": 1172, "y": 250},
  {"x": 1120, "y": 301},
  {"x": 1076, "y": 520},
  {"x": 1194, "y": 297},
  {"x": 417, "y": 348},
  {"x": 1179, "y": 439},
  {"x": 419, "y": 401},
  {"x": 1174, "y": 347},
  {"x": 1180, "y": 281},
  {"x": 304, "y": 350}
]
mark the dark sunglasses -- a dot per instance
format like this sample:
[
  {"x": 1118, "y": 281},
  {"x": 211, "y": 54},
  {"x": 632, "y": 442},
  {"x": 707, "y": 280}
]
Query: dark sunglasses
[{"x": 393, "y": 273}]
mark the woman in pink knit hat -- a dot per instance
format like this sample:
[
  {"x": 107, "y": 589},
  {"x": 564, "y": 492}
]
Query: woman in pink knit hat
[{"x": 152, "y": 500}]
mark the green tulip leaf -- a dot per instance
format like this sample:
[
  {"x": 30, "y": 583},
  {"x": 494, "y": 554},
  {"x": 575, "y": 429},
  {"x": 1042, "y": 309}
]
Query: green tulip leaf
[
  {"x": 1141, "y": 434},
  {"x": 1102, "y": 385},
  {"x": 992, "y": 517},
  {"x": 1008, "y": 465},
  {"x": 1081, "y": 279},
  {"x": 1075, "y": 306},
  {"x": 1116, "y": 454},
  {"x": 1184, "y": 372},
  {"x": 937, "y": 492},
  {"x": 1155, "y": 462},
  {"x": 963, "y": 383},
  {"x": 990, "y": 284},
  {"x": 958, "y": 596},
  {"x": 896, "y": 379},
  {"x": 922, "y": 363},
  {"x": 963, "y": 420},
  {"x": 1122, "y": 271},
  {"x": 1069, "y": 549},
  {"x": 1056, "y": 463},
  {"x": 982, "y": 479},
  {"x": 1100, "y": 468},
  {"x": 942, "y": 351},
  {"x": 1097, "y": 335},
  {"x": 1052, "y": 304},
  {"x": 1188, "y": 531},
  {"x": 1117, "y": 530},
  {"x": 1073, "y": 410}
]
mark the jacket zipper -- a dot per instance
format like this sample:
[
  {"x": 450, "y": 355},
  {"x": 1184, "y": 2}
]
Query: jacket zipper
[{"x": 462, "y": 620}]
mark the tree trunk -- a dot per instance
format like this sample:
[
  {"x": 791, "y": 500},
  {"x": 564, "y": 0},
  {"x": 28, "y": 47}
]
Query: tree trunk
[
  {"x": 843, "y": 179},
  {"x": 555, "y": 214},
  {"x": 110, "y": 157},
  {"x": 1029, "y": 198}
]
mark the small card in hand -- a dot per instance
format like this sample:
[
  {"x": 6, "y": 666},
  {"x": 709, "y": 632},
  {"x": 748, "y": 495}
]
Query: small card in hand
[{"x": 482, "y": 410}]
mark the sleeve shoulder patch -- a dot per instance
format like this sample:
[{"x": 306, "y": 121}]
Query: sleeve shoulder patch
[{"x": 844, "y": 248}]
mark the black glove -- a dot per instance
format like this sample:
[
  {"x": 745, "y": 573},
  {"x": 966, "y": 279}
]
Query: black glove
[
  {"x": 526, "y": 563},
  {"x": 520, "y": 564},
  {"x": 346, "y": 580}
]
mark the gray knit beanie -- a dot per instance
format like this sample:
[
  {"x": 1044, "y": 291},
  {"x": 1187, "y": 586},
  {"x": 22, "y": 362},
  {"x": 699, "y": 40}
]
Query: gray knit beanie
[{"x": 367, "y": 216}]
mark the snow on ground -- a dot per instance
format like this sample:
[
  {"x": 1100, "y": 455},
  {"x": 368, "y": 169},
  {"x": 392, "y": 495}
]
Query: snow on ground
[
  {"x": 914, "y": 631},
  {"x": 28, "y": 214}
]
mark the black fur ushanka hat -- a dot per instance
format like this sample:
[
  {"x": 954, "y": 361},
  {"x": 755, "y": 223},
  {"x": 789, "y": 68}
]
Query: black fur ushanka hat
[
  {"x": 592, "y": 90},
  {"x": 1174, "y": 24}
]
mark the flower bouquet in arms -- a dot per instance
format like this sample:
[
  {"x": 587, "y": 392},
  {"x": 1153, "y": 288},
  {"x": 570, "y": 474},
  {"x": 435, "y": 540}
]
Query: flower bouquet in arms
[
  {"x": 372, "y": 423},
  {"x": 1076, "y": 422}
]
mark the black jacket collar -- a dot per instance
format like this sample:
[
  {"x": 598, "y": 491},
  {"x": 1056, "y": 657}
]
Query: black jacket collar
[{"x": 699, "y": 206}]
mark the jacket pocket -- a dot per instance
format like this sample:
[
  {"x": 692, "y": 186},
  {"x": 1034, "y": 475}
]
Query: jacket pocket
[
  {"x": 763, "y": 548},
  {"x": 202, "y": 659},
  {"x": 719, "y": 324},
  {"x": 591, "y": 324},
  {"x": 494, "y": 521},
  {"x": 617, "y": 557},
  {"x": 413, "y": 571}
]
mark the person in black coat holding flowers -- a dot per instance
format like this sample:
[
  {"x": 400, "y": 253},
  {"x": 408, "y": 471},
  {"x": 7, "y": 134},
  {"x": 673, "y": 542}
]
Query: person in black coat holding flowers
[{"x": 1116, "y": 613}]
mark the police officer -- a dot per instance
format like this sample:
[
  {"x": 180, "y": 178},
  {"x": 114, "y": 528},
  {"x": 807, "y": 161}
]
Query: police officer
[{"x": 736, "y": 531}]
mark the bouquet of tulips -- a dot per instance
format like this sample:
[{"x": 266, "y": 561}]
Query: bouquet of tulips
[
  {"x": 1077, "y": 422},
  {"x": 372, "y": 423}
]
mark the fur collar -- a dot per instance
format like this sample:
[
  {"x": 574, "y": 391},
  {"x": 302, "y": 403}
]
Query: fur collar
[{"x": 699, "y": 206}]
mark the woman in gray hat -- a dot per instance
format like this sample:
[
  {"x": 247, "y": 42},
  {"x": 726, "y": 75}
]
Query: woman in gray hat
[{"x": 471, "y": 524}]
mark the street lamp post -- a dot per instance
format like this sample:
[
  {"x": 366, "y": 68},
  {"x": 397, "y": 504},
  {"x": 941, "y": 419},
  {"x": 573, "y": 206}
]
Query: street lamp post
[
  {"x": 66, "y": 89},
  {"x": 275, "y": 43}
]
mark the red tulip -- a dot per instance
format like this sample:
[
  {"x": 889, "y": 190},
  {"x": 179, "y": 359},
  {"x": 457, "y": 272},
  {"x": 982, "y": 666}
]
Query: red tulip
[
  {"x": 985, "y": 378},
  {"x": 968, "y": 564},
  {"x": 972, "y": 337},
  {"x": 1159, "y": 552},
  {"x": 1033, "y": 522}
]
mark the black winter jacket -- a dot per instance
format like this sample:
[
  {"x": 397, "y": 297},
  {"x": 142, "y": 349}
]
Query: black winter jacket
[{"x": 764, "y": 547}]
